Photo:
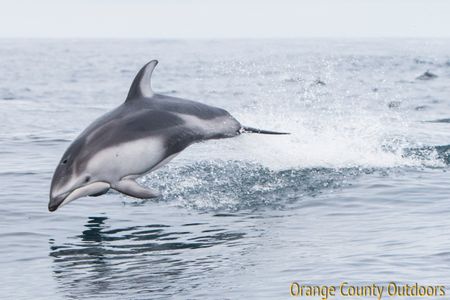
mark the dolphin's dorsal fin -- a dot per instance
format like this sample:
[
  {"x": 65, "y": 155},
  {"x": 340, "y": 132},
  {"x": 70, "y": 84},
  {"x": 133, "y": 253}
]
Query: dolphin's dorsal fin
[{"x": 141, "y": 86}]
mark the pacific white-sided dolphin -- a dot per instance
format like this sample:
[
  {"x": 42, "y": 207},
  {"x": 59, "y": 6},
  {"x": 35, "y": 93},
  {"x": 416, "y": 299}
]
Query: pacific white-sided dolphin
[{"x": 141, "y": 135}]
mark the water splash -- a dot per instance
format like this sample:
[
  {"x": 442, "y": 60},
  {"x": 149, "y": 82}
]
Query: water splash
[{"x": 237, "y": 185}]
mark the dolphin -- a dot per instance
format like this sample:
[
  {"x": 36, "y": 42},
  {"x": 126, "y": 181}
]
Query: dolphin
[{"x": 139, "y": 136}]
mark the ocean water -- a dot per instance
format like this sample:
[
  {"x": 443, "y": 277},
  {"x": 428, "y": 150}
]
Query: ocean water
[{"x": 359, "y": 191}]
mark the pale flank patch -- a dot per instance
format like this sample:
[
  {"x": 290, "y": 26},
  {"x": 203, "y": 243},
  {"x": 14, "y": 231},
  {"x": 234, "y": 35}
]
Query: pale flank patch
[
  {"x": 219, "y": 125},
  {"x": 131, "y": 158}
]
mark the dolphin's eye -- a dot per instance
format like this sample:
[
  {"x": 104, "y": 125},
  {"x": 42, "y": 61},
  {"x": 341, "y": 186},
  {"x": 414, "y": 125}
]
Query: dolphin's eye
[
  {"x": 64, "y": 162},
  {"x": 87, "y": 179}
]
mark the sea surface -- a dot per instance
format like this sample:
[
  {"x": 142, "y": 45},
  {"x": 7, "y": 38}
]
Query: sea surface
[{"x": 359, "y": 192}]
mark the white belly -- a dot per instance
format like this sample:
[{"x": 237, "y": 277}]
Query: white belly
[{"x": 134, "y": 158}]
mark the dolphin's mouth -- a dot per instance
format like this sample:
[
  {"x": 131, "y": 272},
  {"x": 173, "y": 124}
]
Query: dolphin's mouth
[
  {"x": 55, "y": 202},
  {"x": 94, "y": 189}
]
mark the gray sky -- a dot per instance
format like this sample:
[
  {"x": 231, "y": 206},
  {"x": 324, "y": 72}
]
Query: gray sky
[{"x": 224, "y": 19}]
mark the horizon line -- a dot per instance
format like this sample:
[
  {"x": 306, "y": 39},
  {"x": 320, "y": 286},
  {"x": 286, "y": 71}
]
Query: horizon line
[{"x": 215, "y": 38}]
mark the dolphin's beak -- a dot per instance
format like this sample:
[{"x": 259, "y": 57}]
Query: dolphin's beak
[
  {"x": 56, "y": 201},
  {"x": 93, "y": 188}
]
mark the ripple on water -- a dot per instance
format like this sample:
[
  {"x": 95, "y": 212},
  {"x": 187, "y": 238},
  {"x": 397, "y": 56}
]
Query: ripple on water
[{"x": 149, "y": 254}]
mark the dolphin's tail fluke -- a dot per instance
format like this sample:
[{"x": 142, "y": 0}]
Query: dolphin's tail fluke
[{"x": 246, "y": 129}]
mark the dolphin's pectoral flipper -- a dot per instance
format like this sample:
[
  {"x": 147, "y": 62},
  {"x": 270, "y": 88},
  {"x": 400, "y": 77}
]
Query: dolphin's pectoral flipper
[
  {"x": 102, "y": 192},
  {"x": 132, "y": 188}
]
